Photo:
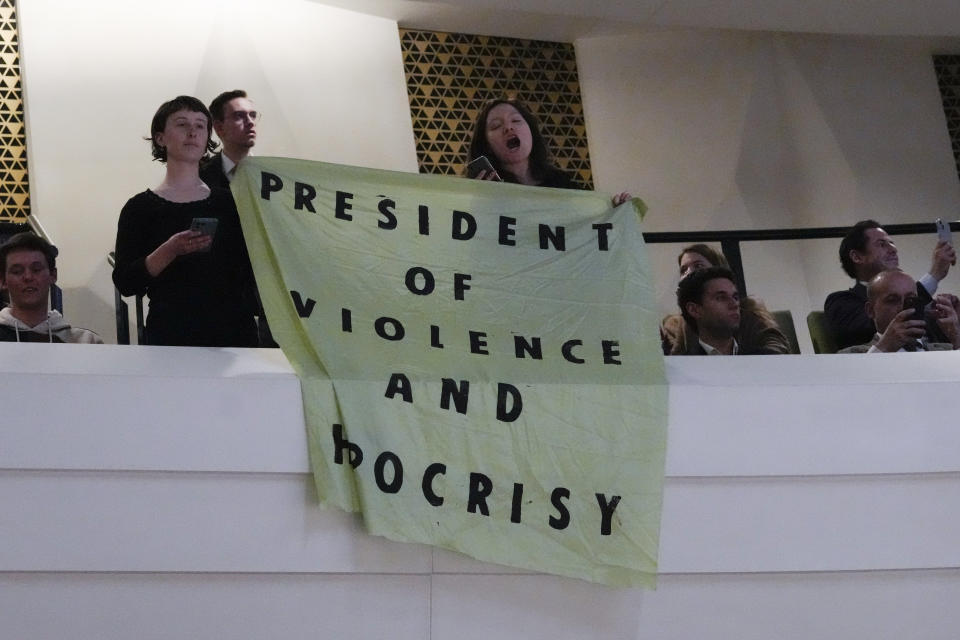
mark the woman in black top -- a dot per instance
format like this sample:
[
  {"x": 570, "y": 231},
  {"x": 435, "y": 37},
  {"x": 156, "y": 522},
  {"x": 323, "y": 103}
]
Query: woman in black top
[{"x": 199, "y": 285}]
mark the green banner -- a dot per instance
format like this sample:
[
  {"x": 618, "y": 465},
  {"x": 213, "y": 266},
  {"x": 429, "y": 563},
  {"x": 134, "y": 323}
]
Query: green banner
[{"x": 480, "y": 361}]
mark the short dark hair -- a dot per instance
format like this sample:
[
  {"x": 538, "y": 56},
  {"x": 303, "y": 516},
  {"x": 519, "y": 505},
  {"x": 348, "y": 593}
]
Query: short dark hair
[
  {"x": 167, "y": 109},
  {"x": 692, "y": 287},
  {"x": 540, "y": 165},
  {"x": 216, "y": 106},
  {"x": 714, "y": 257},
  {"x": 27, "y": 241},
  {"x": 855, "y": 240}
]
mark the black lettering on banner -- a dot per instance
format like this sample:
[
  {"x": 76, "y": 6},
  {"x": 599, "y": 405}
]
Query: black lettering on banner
[
  {"x": 517, "y": 503},
  {"x": 354, "y": 453},
  {"x": 567, "y": 351},
  {"x": 507, "y": 231},
  {"x": 521, "y": 346},
  {"x": 563, "y": 514},
  {"x": 343, "y": 206},
  {"x": 269, "y": 183},
  {"x": 505, "y": 391},
  {"x": 431, "y": 472},
  {"x": 380, "y": 326},
  {"x": 435, "y": 337},
  {"x": 399, "y": 383},
  {"x": 460, "y": 285},
  {"x": 385, "y": 207},
  {"x": 428, "y": 282},
  {"x": 480, "y": 488},
  {"x": 556, "y": 237},
  {"x": 424, "y": 220},
  {"x": 611, "y": 351},
  {"x": 303, "y": 195},
  {"x": 478, "y": 343},
  {"x": 607, "y": 507},
  {"x": 457, "y": 231},
  {"x": 602, "y": 229},
  {"x": 459, "y": 394},
  {"x": 346, "y": 320},
  {"x": 304, "y": 309},
  {"x": 379, "y": 466}
]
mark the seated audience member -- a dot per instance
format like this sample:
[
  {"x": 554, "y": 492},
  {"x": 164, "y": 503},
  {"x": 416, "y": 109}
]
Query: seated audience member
[
  {"x": 758, "y": 333},
  {"x": 864, "y": 252},
  {"x": 710, "y": 304},
  {"x": 28, "y": 269},
  {"x": 508, "y": 135},
  {"x": 199, "y": 282},
  {"x": 892, "y": 307}
]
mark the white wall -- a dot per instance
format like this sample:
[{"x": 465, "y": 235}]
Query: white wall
[
  {"x": 329, "y": 82},
  {"x": 803, "y": 499},
  {"x": 728, "y": 130}
]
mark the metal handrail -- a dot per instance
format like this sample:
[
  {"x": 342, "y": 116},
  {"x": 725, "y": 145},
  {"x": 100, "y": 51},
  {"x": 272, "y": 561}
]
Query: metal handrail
[{"x": 730, "y": 240}]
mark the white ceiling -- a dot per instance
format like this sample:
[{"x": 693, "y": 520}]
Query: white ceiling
[{"x": 567, "y": 20}]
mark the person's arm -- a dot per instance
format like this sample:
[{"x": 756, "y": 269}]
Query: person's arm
[
  {"x": 943, "y": 257},
  {"x": 137, "y": 260},
  {"x": 946, "y": 314}
]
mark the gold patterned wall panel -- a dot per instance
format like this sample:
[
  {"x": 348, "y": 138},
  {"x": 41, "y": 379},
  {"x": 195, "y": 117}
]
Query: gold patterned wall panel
[
  {"x": 451, "y": 75},
  {"x": 14, "y": 188}
]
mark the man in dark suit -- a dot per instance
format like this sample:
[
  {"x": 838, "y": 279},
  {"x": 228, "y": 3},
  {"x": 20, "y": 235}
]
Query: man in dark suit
[
  {"x": 892, "y": 307},
  {"x": 235, "y": 122},
  {"x": 864, "y": 252}
]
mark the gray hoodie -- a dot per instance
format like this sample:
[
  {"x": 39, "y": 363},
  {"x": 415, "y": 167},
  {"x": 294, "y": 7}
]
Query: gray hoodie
[{"x": 53, "y": 329}]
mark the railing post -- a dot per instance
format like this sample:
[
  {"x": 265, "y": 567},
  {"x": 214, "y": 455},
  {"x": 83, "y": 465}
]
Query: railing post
[{"x": 731, "y": 249}]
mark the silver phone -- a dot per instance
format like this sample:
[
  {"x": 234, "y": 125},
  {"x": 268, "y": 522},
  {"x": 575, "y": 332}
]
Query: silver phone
[{"x": 943, "y": 231}]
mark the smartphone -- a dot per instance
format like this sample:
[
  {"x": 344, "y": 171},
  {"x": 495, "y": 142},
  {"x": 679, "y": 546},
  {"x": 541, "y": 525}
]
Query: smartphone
[
  {"x": 479, "y": 165},
  {"x": 919, "y": 308},
  {"x": 943, "y": 231},
  {"x": 206, "y": 226}
]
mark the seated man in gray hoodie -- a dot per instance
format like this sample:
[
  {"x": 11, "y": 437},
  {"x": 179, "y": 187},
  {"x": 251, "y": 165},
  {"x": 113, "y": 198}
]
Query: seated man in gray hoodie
[{"x": 28, "y": 269}]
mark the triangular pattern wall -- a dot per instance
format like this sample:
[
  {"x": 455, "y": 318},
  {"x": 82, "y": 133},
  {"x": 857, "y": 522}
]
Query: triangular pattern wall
[
  {"x": 948, "y": 77},
  {"x": 14, "y": 187},
  {"x": 451, "y": 75}
]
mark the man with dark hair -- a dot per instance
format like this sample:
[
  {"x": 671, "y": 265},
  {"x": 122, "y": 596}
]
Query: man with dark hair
[
  {"x": 710, "y": 304},
  {"x": 892, "y": 307},
  {"x": 235, "y": 121},
  {"x": 864, "y": 252},
  {"x": 28, "y": 269}
]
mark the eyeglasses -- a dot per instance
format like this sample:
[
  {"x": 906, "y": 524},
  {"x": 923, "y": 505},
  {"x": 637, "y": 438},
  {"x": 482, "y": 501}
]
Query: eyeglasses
[{"x": 242, "y": 116}]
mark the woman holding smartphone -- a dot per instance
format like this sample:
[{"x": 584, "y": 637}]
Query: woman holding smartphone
[
  {"x": 180, "y": 243},
  {"x": 508, "y": 136}
]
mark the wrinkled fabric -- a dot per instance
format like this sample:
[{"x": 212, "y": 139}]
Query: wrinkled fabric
[{"x": 466, "y": 383}]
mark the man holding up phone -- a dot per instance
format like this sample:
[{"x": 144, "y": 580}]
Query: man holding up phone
[
  {"x": 864, "y": 252},
  {"x": 898, "y": 316}
]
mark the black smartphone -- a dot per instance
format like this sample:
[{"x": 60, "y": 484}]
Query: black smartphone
[
  {"x": 918, "y": 306},
  {"x": 479, "y": 165},
  {"x": 206, "y": 226}
]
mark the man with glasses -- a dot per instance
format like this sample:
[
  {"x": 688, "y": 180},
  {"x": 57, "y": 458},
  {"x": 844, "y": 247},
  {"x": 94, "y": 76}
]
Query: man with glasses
[{"x": 235, "y": 122}]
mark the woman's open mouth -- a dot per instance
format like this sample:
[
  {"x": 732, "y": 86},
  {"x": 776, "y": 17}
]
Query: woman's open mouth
[{"x": 513, "y": 142}]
